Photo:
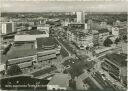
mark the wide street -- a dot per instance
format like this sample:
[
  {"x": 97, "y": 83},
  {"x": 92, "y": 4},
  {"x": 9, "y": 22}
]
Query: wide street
[{"x": 97, "y": 68}]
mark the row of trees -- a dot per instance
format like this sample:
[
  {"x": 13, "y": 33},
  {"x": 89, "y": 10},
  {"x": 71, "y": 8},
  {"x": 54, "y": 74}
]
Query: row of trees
[
  {"x": 7, "y": 49},
  {"x": 108, "y": 41}
]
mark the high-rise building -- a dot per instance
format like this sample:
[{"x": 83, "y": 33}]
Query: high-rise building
[
  {"x": 7, "y": 27},
  {"x": 80, "y": 17}
]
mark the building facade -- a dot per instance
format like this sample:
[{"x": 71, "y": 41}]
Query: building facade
[
  {"x": 7, "y": 27},
  {"x": 80, "y": 38},
  {"x": 116, "y": 66}
]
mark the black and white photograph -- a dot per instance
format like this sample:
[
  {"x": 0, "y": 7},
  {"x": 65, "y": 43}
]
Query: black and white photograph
[{"x": 63, "y": 45}]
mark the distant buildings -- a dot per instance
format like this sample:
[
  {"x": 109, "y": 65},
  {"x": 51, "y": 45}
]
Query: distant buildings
[
  {"x": 119, "y": 23},
  {"x": 103, "y": 25},
  {"x": 43, "y": 27},
  {"x": 119, "y": 28},
  {"x": 65, "y": 22},
  {"x": 93, "y": 25}
]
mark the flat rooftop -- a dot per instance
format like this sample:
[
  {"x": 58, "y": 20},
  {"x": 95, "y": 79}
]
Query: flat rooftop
[
  {"x": 46, "y": 42},
  {"x": 21, "y": 50}
]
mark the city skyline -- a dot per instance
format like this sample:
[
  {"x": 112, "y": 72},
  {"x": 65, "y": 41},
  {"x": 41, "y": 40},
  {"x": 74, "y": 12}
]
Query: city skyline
[
  {"x": 63, "y": 6},
  {"x": 61, "y": 45}
]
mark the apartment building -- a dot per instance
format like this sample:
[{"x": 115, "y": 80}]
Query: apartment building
[
  {"x": 80, "y": 38},
  {"x": 7, "y": 27},
  {"x": 24, "y": 53},
  {"x": 116, "y": 65}
]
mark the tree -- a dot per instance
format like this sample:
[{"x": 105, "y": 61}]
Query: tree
[
  {"x": 117, "y": 40},
  {"x": 107, "y": 42},
  {"x": 14, "y": 70},
  {"x": 7, "y": 49},
  {"x": 72, "y": 84},
  {"x": 125, "y": 37}
]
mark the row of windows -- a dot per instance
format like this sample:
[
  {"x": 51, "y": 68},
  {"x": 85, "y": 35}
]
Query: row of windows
[{"x": 17, "y": 61}]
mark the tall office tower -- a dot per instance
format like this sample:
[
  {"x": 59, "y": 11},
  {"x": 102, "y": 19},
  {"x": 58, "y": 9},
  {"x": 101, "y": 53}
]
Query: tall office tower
[
  {"x": 80, "y": 17},
  {"x": 7, "y": 27}
]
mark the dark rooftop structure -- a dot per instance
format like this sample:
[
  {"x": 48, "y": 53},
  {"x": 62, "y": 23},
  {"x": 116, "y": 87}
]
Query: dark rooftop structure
[
  {"x": 46, "y": 43},
  {"x": 32, "y": 32},
  {"x": 103, "y": 30},
  {"x": 117, "y": 59},
  {"x": 22, "y": 50},
  {"x": 91, "y": 84}
]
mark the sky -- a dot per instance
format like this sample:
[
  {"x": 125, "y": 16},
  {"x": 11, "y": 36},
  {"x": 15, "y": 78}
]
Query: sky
[{"x": 63, "y": 6}]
